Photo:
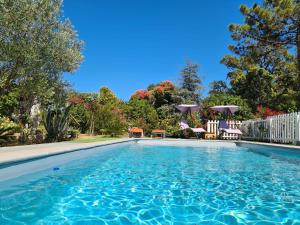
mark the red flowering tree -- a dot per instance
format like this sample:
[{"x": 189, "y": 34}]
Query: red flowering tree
[
  {"x": 158, "y": 94},
  {"x": 75, "y": 99},
  {"x": 163, "y": 93},
  {"x": 141, "y": 95},
  {"x": 264, "y": 112},
  {"x": 82, "y": 112},
  {"x": 165, "y": 86}
]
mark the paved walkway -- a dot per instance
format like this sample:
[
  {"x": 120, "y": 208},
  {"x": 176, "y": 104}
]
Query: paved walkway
[{"x": 27, "y": 152}]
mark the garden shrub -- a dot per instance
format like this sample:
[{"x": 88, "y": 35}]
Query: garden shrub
[
  {"x": 55, "y": 120},
  {"x": 79, "y": 118},
  {"x": 142, "y": 114},
  {"x": 7, "y": 129},
  {"x": 40, "y": 135},
  {"x": 73, "y": 134},
  {"x": 110, "y": 120}
]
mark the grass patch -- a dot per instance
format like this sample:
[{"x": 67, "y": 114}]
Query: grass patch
[{"x": 90, "y": 139}]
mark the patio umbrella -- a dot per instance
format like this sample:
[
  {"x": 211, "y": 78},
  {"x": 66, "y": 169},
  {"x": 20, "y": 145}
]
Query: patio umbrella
[
  {"x": 228, "y": 109},
  {"x": 187, "y": 108}
]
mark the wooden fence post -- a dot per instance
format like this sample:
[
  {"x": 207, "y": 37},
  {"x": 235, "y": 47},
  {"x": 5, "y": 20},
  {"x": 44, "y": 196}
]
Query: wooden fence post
[
  {"x": 209, "y": 126},
  {"x": 270, "y": 131},
  {"x": 297, "y": 127}
]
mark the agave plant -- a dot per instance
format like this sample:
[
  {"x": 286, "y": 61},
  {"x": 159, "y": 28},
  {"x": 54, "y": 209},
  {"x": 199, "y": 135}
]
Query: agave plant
[
  {"x": 7, "y": 129},
  {"x": 55, "y": 120}
]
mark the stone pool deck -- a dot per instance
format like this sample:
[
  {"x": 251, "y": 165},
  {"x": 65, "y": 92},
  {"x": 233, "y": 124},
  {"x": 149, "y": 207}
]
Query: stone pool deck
[{"x": 29, "y": 152}]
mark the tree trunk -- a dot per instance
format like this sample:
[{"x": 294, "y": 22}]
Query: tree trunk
[{"x": 92, "y": 125}]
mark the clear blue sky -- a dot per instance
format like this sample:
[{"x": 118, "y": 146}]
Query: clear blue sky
[{"x": 131, "y": 44}]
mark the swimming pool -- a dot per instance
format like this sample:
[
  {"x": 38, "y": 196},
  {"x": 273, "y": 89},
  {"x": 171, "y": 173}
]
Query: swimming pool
[{"x": 148, "y": 183}]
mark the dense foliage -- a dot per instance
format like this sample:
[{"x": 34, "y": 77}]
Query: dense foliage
[
  {"x": 38, "y": 45},
  {"x": 264, "y": 67},
  {"x": 110, "y": 116},
  {"x": 244, "y": 112},
  {"x": 265, "y": 112},
  {"x": 191, "y": 84},
  {"x": 7, "y": 129},
  {"x": 141, "y": 113},
  {"x": 56, "y": 122},
  {"x": 101, "y": 113}
]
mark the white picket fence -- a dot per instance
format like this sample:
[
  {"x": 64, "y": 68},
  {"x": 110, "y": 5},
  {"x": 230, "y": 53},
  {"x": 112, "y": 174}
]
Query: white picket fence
[
  {"x": 278, "y": 129},
  {"x": 213, "y": 127}
]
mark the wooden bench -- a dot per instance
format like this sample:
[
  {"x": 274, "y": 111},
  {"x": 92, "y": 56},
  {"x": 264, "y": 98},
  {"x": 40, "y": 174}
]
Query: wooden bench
[{"x": 158, "y": 133}]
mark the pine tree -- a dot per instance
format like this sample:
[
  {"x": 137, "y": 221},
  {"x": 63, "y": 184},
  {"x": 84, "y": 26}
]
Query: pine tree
[
  {"x": 263, "y": 68},
  {"x": 275, "y": 23},
  {"x": 191, "y": 84}
]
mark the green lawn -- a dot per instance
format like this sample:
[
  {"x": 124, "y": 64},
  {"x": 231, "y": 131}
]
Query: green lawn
[{"x": 94, "y": 139}]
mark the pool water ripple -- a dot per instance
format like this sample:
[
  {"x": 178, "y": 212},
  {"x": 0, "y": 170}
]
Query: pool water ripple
[{"x": 136, "y": 184}]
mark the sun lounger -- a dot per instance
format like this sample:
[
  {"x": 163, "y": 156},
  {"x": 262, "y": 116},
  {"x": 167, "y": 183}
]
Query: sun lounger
[
  {"x": 224, "y": 127},
  {"x": 184, "y": 126}
]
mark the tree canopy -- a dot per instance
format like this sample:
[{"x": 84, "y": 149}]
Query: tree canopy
[
  {"x": 263, "y": 66},
  {"x": 37, "y": 45},
  {"x": 191, "y": 84}
]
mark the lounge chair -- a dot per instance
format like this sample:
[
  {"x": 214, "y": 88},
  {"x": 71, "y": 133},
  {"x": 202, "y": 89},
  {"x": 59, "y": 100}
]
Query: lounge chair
[
  {"x": 224, "y": 127},
  {"x": 184, "y": 126}
]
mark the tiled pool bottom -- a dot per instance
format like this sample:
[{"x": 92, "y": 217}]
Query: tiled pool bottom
[{"x": 150, "y": 184}]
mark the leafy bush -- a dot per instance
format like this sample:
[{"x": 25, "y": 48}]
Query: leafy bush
[
  {"x": 79, "y": 118},
  {"x": 39, "y": 135},
  {"x": 9, "y": 102},
  {"x": 56, "y": 121},
  {"x": 73, "y": 134},
  {"x": 25, "y": 136},
  {"x": 7, "y": 129},
  {"x": 142, "y": 114},
  {"x": 264, "y": 112},
  {"x": 110, "y": 120},
  {"x": 176, "y": 133},
  {"x": 169, "y": 120},
  {"x": 32, "y": 136}
]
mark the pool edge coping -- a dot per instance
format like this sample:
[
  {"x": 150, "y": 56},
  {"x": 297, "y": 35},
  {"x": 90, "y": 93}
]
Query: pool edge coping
[
  {"x": 275, "y": 145},
  {"x": 70, "y": 149},
  {"x": 64, "y": 151}
]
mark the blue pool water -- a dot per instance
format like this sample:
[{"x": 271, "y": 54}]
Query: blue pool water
[{"x": 140, "y": 184}]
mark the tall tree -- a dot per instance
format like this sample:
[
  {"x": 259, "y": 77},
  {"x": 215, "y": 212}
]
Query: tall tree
[
  {"x": 161, "y": 94},
  {"x": 106, "y": 96},
  {"x": 275, "y": 23},
  {"x": 263, "y": 69},
  {"x": 37, "y": 45},
  {"x": 218, "y": 86},
  {"x": 141, "y": 113},
  {"x": 191, "y": 84},
  {"x": 109, "y": 114}
]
